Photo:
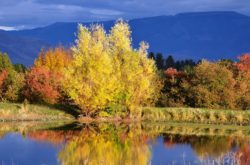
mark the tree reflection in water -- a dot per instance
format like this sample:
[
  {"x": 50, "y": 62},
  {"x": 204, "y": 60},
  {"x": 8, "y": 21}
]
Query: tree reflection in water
[
  {"x": 204, "y": 146},
  {"x": 105, "y": 143}
]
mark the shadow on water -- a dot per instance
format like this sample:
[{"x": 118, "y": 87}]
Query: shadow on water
[{"x": 140, "y": 143}]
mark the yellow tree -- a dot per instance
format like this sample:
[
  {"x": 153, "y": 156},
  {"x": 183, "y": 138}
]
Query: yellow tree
[
  {"x": 89, "y": 79},
  {"x": 44, "y": 79},
  {"x": 107, "y": 71},
  {"x": 54, "y": 59},
  {"x": 136, "y": 75},
  {"x": 212, "y": 86}
]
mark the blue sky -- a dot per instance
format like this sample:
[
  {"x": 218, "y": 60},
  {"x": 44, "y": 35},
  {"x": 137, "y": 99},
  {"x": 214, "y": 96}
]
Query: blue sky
[{"x": 21, "y": 14}]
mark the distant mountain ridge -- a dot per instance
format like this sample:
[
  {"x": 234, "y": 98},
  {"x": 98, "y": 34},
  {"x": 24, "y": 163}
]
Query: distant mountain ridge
[
  {"x": 20, "y": 49},
  {"x": 210, "y": 35}
]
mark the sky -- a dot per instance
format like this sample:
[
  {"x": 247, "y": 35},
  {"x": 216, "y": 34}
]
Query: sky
[{"x": 23, "y": 14}]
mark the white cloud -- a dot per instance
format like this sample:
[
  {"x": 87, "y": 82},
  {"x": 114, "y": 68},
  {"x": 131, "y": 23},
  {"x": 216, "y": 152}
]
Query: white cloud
[
  {"x": 31, "y": 13},
  {"x": 105, "y": 12},
  {"x": 7, "y": 28}
]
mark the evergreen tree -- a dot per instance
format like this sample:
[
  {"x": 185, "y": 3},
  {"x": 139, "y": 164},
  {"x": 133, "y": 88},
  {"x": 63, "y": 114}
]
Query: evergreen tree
[
  {"x": 20, "y": 68},
  {"x": 169, "y": 62},
  {"x": 182, "y": 64},
  {"x": 151, "y": 55},
  {"x": 159, "y": 61}
]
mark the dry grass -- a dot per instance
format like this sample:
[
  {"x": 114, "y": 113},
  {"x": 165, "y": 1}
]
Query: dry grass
[
  {"x": 21, "y": 112},
  {"x": 197, "y": 115}
]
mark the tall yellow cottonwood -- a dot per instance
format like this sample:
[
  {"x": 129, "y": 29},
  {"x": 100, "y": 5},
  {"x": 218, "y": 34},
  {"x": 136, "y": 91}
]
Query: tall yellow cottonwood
[
  {"x": 88, "y": 80},
  {"x": 107, "y": 70},
  {"x": 136, "y": 75}
]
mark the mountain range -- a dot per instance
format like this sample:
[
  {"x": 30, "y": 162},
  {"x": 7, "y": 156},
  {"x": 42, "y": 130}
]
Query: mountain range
[{"x": 209, "y": 35}]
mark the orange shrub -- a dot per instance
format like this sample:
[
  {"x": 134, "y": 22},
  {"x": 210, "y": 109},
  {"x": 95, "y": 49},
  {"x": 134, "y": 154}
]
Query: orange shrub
[
  {"x": 243, "y": 81},
  {"x": 42, "y": 85},
  {"x": 171, "y": 73},
  {"x": 54, "y": 59},
  {"x": 244, "y": 63}
]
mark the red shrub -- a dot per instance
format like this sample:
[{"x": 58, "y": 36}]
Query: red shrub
[
  {"x": 171, "y": 72},
  {"x": 42, "y": 85},
  {"x": 244, "y": 63},
  {"x": 3, "y": 76}
]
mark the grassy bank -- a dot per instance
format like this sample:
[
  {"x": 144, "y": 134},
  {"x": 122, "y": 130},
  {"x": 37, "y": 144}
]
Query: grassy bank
[
  {"x": 21, "y": 112},
  {"x": 197, "y": 115}
]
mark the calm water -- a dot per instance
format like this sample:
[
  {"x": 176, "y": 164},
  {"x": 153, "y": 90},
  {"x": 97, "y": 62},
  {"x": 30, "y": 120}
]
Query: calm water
[{"x": 141, "y": 143}]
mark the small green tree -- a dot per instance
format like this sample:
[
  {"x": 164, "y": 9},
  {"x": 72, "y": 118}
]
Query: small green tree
[
  {"x": 13, "y": 82},
  {"x": 13, "y": 86},
  {"x": 20, "y": 68},
  {"x": 5, "y": 62}
]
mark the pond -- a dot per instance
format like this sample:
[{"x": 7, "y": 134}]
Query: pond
[{"x": 123, "y": 143}]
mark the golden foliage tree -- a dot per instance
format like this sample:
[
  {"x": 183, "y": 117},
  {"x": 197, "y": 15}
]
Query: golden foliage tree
[
  {"x": 212, "y": 86},
  {"x": 44, "y": 79},
  {"x": 106, "y": 71},
  {"x": 54, "y": 59},
  {"x": 136, "y": 74},
  {"x": 88, "y": 81}
]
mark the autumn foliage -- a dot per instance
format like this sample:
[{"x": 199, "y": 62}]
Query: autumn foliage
[
  {"x": 42, "y": 85},
  {"x": 173, "y": 73},
  {"x": 172, "y": 92},
  {"x": 54, "y": 60},
  {"x": 54, "y": 137},
  {"x": 44, "y": 79},
  {"x": 3, "y": 76},
  {"x": 244, "y": 63},
  {"x": 242, "y": 77},
  {"x": 11, "y": 80},
  {"x": 103, "y": 75},
  {"x": 107, "y": 75},
  {"x": 223, "y": 84}
]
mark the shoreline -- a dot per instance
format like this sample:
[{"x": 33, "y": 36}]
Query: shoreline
[
  {"x": 14, "y": 112},
  {"x": 183, "y": 115},
  {"x": 197, "y": 115}
]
